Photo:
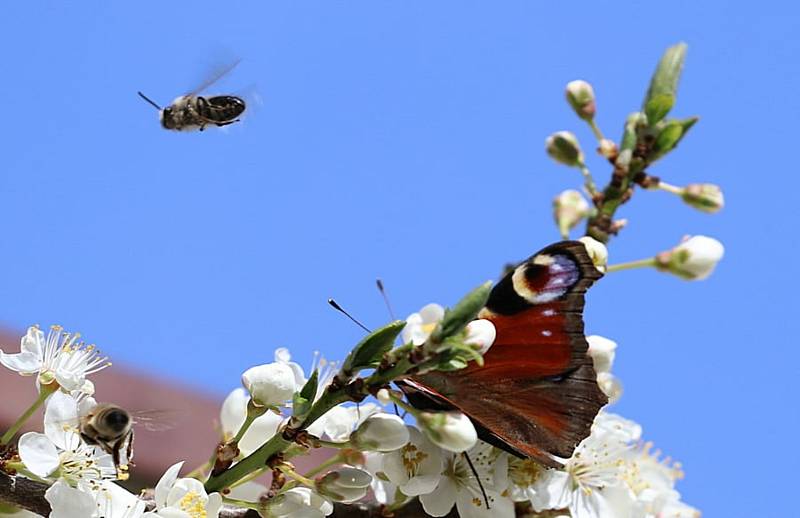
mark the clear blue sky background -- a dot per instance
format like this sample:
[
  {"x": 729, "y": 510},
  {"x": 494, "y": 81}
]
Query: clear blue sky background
[{"x": 405, "y": 141}]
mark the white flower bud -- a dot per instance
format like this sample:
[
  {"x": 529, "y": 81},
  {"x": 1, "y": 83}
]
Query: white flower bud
[
  {"x": 563, "y": 147},
  {"x": 569, "y": 209},
  {"x": 270, "y": 384},
  {"x": 607, "y": 148},
  {"x": 597, "y": 251},
  {"x": 299, "y": 501},
  {"x": 610, "y": 385},
  {"x": 481, "y": 333},
  {"x": 451, "y": 431},
  {"x": 694, "y": 259},
  {"x": 706, "y": 197},
  {"x": 384, "y": 396},
  {"x": 380, "y": 432},
  {"x": 345, "y": 484},
  {"x": 602, "y": 351},
  {"x": 580, "y": 96}
]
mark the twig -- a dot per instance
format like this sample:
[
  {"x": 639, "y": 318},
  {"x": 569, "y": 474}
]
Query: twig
[{"x": 29, "y": 495}]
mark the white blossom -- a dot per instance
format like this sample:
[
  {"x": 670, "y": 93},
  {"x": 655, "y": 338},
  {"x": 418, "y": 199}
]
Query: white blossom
[
  {"x": 233, "y": 415},
  {"x": 384, "y": 491},
  {"x": 345, "y": 484},
  {"x": 416, "y": 467},
  {"x": 602, "y": 351},
  {"x": 380, "y": 432},
  {"x": 459, "y": 486},
  {"x": 451, "y": 431},
  {"x": 271, "y": 384},
  {"x": 59, "y": 357},
  {"x": 419, "y": 326},
  {"x": 60, "y": 453},
  {"x": 339, "y": 422},
  {"x": 183, "y": 497}
]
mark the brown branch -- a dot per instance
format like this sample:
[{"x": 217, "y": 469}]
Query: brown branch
[{"x": 28, "y": 494}]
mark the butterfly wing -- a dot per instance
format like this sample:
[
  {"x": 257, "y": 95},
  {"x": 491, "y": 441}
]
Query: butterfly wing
[{"x": 536, "y": 395}]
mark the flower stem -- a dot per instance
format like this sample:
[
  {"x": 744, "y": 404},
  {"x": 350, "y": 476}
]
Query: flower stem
[
  {"x": 595, "y": 129},
  {"x": 44, "y": 392},
  {"x": 664, "y": 186},
  {"x": 289, "y": 472},
  {"x": 591, "y": 187},
  {"x": 641, "y": 263},
  {"x": 335, "y": 459}
]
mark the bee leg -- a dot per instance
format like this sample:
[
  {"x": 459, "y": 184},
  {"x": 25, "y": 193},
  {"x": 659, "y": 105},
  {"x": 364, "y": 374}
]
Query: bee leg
[
  {"x": 220, "y": 124},
  {"x": 129, "y": 450}
]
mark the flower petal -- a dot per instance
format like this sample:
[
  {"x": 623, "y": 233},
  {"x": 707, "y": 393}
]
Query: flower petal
[
  {"x": 440, "y": 501},
  {"x": 24, "y": 363},
  {"x": 67, "y": 502},
  {"x": 114, "y": 501},
  {"x": 38, "y": 453},
  {"x": 165, "y": 484},
  {"x": 61, "y": 420},
  {"x": 233, "y": 412},
  {"x": 214, "y": 505}
]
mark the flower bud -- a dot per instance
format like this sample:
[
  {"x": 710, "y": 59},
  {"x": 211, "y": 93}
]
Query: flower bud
[
  {"x": 704, "y": 196},
  {"x": 602, "y": 351},
  {"x": 569, "y": 209},
  {"x": 345, "y": 484},
  {"x": 597, "y": 252},
  {"x": 610, "y": 385},
  {"x": 270, "y": 385},
  {"x": 380, "y": 432},
  {"x": 480, "y": 333},
  {"x": 580, "y": 96},
  {"x": 451, "y": 431},
  {"x": 694, "y": 259},
  {"x": 563, "y": 147},
  {"x": 608, "y": 148},
  {"x": 298, "y": 501},
  {"x": 384, "y": 396}
]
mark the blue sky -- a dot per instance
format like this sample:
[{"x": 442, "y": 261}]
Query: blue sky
[{"x": 405, "y": 141}]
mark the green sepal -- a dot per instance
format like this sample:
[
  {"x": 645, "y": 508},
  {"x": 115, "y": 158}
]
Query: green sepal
[
  {"x": 463, "y": 313},
  {"x": 369, "y": 351},
  {"x": 663, "y": 88},
  {"x": 302, "y": 401}
]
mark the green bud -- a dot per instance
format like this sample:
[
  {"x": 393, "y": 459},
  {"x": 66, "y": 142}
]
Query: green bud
[
  {"x": 303, "y": 400},
  {"x": 664, "y": 84},
  {"x": 580, "y": 95},
  {"x": 706, "y": 197},
  {"x": 563, "y": 147},
  {"x": 569, "y": 209}
]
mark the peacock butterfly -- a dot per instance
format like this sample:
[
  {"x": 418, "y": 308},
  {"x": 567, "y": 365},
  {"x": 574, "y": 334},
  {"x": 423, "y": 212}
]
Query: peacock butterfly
[{"x": 536, "y": 395}]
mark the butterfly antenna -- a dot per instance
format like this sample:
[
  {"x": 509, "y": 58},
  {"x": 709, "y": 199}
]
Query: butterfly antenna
[
  {"x": 143, "y": 96},
  {"x": 478, "y": 478},
  {"x": 335, "y": 305},
  {"x": 379, "y": 283}
]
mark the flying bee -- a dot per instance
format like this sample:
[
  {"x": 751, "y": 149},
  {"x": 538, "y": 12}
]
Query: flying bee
[
  {"x": 191, "y": 111},
  {"x": 110, "y": 427}
]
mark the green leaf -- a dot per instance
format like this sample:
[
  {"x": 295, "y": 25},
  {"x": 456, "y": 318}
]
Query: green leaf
[
  {"x": 670, "y": 134},
  {"x": 663, "y": 88},
  {"x": 369, "y": 351},
  {"x": 463, "y": 313}
]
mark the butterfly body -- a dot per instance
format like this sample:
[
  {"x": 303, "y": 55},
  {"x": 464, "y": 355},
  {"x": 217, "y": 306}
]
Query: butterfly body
[{"x": 536, "y": 395}]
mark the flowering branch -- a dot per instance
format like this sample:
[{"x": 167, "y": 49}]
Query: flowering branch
[{"x": 382, "y": 466}]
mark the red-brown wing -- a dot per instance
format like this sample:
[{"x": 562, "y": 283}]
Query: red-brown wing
[{"x": 537, "y": 394}]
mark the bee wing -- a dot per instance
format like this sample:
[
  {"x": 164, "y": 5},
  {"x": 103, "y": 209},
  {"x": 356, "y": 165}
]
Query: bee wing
[
  {"x": 216, "y": 76},
  {"x": 156, "y": 420}
]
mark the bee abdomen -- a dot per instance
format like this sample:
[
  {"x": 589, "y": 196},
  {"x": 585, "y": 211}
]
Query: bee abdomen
[{"x": 220, "y": 108}]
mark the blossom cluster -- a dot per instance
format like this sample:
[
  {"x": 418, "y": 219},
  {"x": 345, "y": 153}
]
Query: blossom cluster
[{"x": 380, "y": 456}]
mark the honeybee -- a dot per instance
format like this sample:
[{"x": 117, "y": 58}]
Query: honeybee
[
  {"x": 191, "y": 111},
  {"x": 109, "y": 427}
]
